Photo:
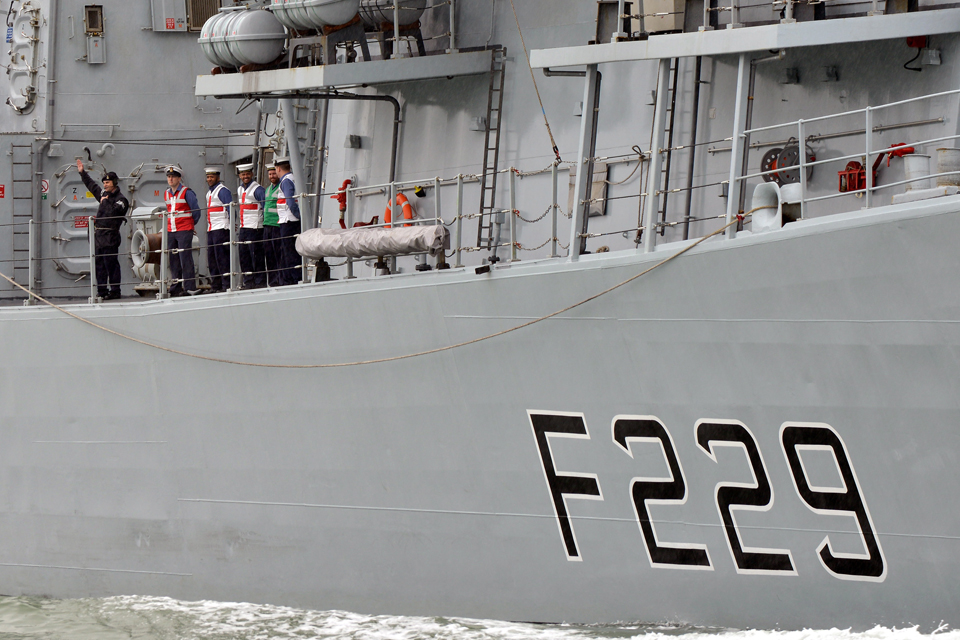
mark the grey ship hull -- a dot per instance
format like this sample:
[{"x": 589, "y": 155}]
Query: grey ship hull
[{"x": 416, "y": 486}]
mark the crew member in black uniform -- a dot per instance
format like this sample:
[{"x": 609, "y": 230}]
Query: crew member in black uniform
[{"x": 111, "y": 214}]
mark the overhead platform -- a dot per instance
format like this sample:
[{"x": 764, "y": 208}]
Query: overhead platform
[
  {"x": 342, "y": 76},
  {"x": 762, "y": 38}
]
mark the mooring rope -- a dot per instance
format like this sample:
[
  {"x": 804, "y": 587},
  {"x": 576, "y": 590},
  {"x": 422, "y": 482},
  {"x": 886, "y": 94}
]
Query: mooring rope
[{"x": 392, "y": 358}]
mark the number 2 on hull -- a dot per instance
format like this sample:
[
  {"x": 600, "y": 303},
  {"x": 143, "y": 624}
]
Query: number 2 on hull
[{"x": 672, "y": 490}]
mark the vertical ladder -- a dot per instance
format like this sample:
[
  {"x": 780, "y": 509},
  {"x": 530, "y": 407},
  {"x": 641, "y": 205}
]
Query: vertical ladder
[
  {"x": 491, "y": 149},
  {"x": 21, "y": 169},
  {"x": 665, "y": 173}
]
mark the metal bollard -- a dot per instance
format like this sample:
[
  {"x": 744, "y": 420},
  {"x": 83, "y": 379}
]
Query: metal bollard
[
  {"x": 93, "y": 260},
  {"x": 553, "y": 243},
  {"x": 164, "y": 259},
  {"x": 234, "y": 253},
  {"x": 513, "y": 215},
  {"x": 459, "y": 219}
]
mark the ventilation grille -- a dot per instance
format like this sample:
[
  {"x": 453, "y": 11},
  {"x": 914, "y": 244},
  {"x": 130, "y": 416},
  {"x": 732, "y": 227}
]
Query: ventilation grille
[{"x": 200, "y": 12}]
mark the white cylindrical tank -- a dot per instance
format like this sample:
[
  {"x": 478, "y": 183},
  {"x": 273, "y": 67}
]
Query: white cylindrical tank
[
  {"x": 376, "y": 12},
  {"x": 314, "y": 14},
  {"x": 235, "y": 38},
  {"x": 256, "y": 37}
]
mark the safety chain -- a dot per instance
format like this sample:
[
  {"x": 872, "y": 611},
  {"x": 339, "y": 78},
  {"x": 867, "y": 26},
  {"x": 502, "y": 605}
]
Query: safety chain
[
  {"x": 540, "y": 246},
  {"x": 516, "y": 212}
]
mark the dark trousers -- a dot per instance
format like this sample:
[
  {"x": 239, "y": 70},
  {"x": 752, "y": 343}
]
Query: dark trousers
[
  {"x": 271, "y": 253},
  {"x": 251, "y": 258},
  {"x": 108, "y": 268},
  {"x": 218, "y": 258},
  {"x": 181, "y": 262},
  {"x": 290, "y": 260}
]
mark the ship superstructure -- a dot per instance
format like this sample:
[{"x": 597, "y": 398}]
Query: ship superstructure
[{"x": 684, "y": 348}]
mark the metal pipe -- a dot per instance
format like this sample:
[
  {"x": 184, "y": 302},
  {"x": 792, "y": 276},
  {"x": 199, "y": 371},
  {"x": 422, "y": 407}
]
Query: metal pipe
[
  {"x": 749, "y": 119},
  {"x": 656, "y": 156},
  {"x": 396, "y": 121},
  {"x": 734, "y": 186},
  {"x": 513, "y": 215},
  {"x": 321, "y": 164},
  {"x": 693, "y": 146},
  {"x": 621, "y": 32},
  {"x": 303, "y": 259},
  {"x": 550, "y": 73},
  {"x": 553, "y": 206},
  {"x": 164, "y": 259},
  {"x": 581, "y": 187},
  {"x": 459, "y": 219},
  {"x": 348, "y": 221},
  {"x": 840, "y": 134},
  {"x": 93, "y": 267},
  {"x": 594, "y": 114}
]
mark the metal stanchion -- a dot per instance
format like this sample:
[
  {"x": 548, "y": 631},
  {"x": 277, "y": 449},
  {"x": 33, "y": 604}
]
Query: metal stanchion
[
  {"x": 453, "y": 28},
  {"x": 303, "y": 260},
  {"x": 348, "y": 221},
  {"x": 513, "y": 215},
  {"x": 31, "y": 275},
  {"x": 164, "y": 258},
  {"x": 553, "y": 243},
  {"x": 234, "y": 253},
  {"x": 93, "y": 260},
  {"x": 459, "y": 218}
]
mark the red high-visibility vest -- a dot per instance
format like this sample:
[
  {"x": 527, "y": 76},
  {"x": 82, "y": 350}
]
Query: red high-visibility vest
[{"x": 180, "y": 217}]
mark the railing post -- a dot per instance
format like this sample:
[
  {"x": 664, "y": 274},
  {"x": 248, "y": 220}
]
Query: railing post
[
  {"x": 459, "y": 218},
  {"x": 396, "y": 29},
  {"x": 553, "y": 242},
  {"x": 31, "y": 269},
  {"x": 803, "y": 168},
  {"x": 234, "y": 253},
  {"x": 93, "y": 260},
  {"x": 164, "y": 259},
  {"x": 437, "y": 212},
  {"x": 303, "y": 259},
  {"x": 453, "y": 28},
  {"x": 348, "y": 221},
  {"x": 513, "y": 215},
  {"x": 620, "y": 32},
  {"x": 868, "y": 134}
]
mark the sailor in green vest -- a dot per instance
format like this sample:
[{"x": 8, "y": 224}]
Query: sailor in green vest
[{"x": 271, "y": 228}]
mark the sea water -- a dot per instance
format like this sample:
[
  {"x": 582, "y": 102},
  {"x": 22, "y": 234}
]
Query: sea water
[{"x": 143, "y": 618}]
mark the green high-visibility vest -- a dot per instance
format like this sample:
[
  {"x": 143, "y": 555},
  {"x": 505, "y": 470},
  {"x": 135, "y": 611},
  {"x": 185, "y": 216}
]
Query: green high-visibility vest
[{"x": 270, "y": 216}]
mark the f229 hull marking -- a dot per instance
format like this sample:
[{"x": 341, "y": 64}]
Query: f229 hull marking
[{"x": 730, "y": 497}]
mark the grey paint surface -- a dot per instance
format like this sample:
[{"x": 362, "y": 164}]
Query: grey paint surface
[{"x": 415, "y": 487}]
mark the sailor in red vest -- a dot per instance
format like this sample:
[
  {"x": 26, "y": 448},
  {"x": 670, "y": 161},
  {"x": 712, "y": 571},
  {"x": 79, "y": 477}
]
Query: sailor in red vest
[
  {"x": 289, "y": 213},
  {"x": 250, "y": 196},
  {"x": 183, "y": 212},
  {"x": 219, "y": 198}
]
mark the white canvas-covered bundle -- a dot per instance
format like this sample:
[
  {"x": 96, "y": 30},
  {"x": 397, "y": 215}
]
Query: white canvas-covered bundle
[{"x": 376, "y": 241}]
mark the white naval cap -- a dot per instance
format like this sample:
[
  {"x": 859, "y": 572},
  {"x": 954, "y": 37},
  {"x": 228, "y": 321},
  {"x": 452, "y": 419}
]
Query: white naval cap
[
  {"x": 245, "y": 167},
  {"x": 209, "y": 170},
  {"x": 281, "y": 159},
  {"x": 174, "y": 170},
  {"x": 271, "y": 166}
]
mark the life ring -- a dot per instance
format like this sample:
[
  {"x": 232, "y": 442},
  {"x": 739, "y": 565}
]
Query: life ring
[{"x": 404, "y": 204}]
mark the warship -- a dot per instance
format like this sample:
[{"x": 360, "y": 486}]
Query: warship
[{"x": 667, "y": 330}]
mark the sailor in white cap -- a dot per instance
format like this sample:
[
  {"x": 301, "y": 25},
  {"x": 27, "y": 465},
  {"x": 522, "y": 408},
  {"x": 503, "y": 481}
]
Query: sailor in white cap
[
  {"x": 250, "y": 195},
  {"x": 289, "y": 213},
  {"x": 271, "y": 228},
  {"x": 219, "y": 198},
  {"x": 183, "y": 212}
]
